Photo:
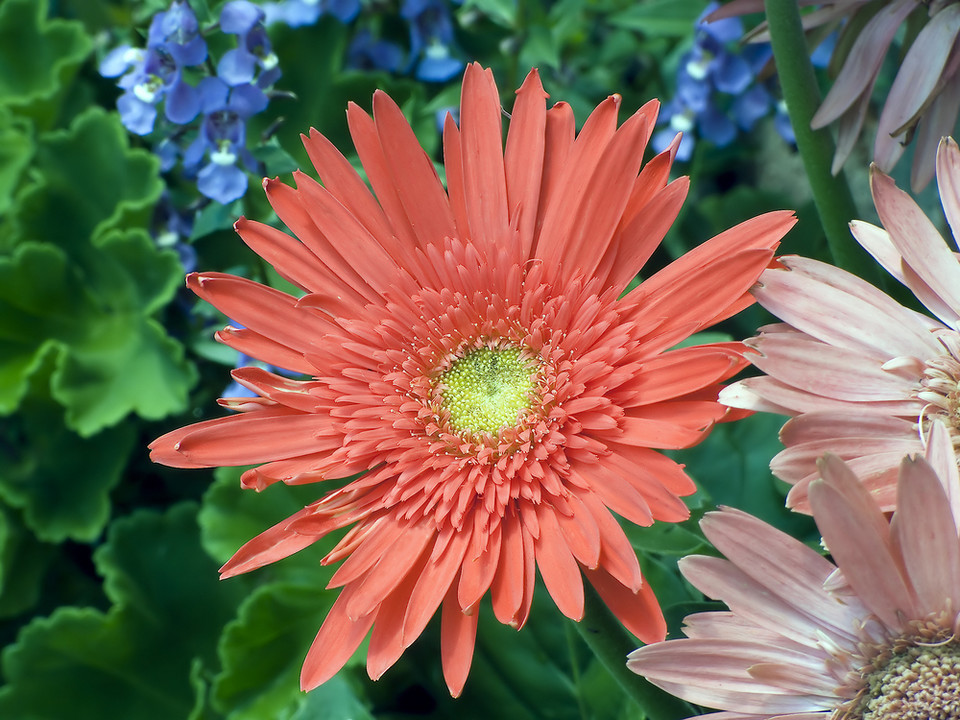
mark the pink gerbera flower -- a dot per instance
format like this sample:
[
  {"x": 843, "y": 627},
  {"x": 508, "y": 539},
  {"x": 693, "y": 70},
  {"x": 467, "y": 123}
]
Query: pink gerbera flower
[
  {"x": 923, "y": 100},
  {"x": 862, "y": 374},
  {"x": 876, "y": 637},
  {"x": 471, "y": 354}
]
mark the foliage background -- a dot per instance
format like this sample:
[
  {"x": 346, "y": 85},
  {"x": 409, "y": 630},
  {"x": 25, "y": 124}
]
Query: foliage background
[{"x": 110, "y": 604}]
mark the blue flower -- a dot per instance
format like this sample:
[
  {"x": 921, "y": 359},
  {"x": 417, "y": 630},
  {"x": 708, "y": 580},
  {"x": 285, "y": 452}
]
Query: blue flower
[
  {"x": 156, "y": 72},
  {"x": 239, "y": 66},
  {"x": 221, "y": 141},
  {"x": 718, "y": 94},
  {"x": 368, "y": 53},
  {"x": 431, "y": 37}
]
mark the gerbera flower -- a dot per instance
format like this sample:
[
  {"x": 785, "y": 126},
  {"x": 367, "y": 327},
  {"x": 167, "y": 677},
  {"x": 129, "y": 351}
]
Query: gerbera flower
[
  {"x": 471, "y": 354},
  {"x": 862, "y": 374},
  {"x": 874, "y": 637},
  {"x": 924, "y": 99}
]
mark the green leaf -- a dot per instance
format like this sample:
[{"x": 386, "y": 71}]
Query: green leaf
[
  {"x": 334, "y": 700},
  {"x": 37, "y": 55},
  {"x": 276, "y": 160},
  {"x": 666, "y": 538},
  {"x": 732, "y": 466},
  {"x": 90, "y": 181},
  {"x": 230, "y": 516},
  {"x": 16, "y": 149},
  {"x": 262, "y": 650},
  {"x": 541, "y": 49},
  {"x": 112, "y": 359},
  {"x": 37, "y": 297},
  {"x": 138, "y": 659},
  {"x": 129, "y": 365},
  {"x": 671, "y": 18},
  {"x": 502, "y": 12},
  {"x": 23, "y": 563},
  {"x": 60, "y": 480},
  {"x": 215, "y": 217}
]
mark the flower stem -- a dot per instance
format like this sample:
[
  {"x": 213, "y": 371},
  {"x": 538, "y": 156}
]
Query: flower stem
[
  {"x": 610, "y": 643},
  {"x": 831, "y": 194}
]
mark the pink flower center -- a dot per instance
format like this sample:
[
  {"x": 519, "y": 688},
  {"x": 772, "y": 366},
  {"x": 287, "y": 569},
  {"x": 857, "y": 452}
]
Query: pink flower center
[
  {"x": 940, "y": 385},
  {"x": 920, "y": 682}
]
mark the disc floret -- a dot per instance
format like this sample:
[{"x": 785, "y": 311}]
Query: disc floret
[
  {"x": 916, "y": 682},
  {"x": 487, "y": 389}
]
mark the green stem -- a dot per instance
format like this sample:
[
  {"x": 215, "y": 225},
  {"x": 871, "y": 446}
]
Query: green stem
[
  {"x": 610, "y": 643},
  {"x": 831, "y": 194}
]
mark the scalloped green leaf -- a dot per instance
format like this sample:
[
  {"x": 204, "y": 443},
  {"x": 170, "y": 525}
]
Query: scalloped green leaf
[
  {"x": 38, "y": 295},
  {"x": 112, "y": 358},
  {"x": 334, "y": 700},
  {"x": 37, "y": 55},
  {"x": 139, "y": 659},
  {"x": 61, "y": 481},
  {"x": 230, "y": 516},
  {"x": 262, "y": 650},
  {"x": 90, "y": 181},
  {"x": 23, "y": 563},
  {"x": 16, "y": 149}
]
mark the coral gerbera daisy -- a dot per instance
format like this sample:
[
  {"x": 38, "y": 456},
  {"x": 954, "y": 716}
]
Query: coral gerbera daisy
[
  {"x": 923, "y": 100},
  {"x": 862, "y": 374},
  {"x": 874, "y": 637},
  {"x": 471, "y": 354}
]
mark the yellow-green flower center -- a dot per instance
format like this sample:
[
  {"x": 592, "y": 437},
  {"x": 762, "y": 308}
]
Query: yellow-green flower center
[
  {"x": 487, "y": 389},
  {"x": 921, "y": 682}
]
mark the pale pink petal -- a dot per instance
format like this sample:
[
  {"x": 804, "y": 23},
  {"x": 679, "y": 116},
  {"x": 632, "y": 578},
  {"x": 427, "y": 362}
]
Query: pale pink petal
[
  {"x": 915, "y": 82},
  {"x": 848, "y": 128},
  {"x": 938, "y": 120},
  {"x": 941, "y": 456},
  {"x": 923, "y": 529},
  {"x": 862, "y": 63},
  {"x": 841, "y": 309},
  {"x": 722, "y": 678},
  {"x": 948, "y": 180},
  {"x": 784, "y": 566},
  {"x": 771, "y": 395},
  {"x": 857, "y": 534},
  {"x": 794, "y": 464},
  {"x": 786, "y": 615},
  {"x": 877, "y": 242},
  {"x": 917, "y": 239},
  {"x": 822, "y": 369},
  {"x": 818, "y": 427}
]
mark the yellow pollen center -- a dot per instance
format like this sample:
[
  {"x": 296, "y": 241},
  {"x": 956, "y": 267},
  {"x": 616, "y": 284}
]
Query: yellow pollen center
[
  {"x": 921, "y": 682},
  {"x": 486, "y": 389}
]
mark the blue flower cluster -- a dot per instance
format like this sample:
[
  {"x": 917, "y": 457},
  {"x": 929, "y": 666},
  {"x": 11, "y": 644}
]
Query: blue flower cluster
[
  {"x": 155, "y": 73},
  {"x": 718, "y": 93},
  {"x": 433, "y": 55},
  {"x": 223, "y": 102},
  {"x": 206, "y": 105}
]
